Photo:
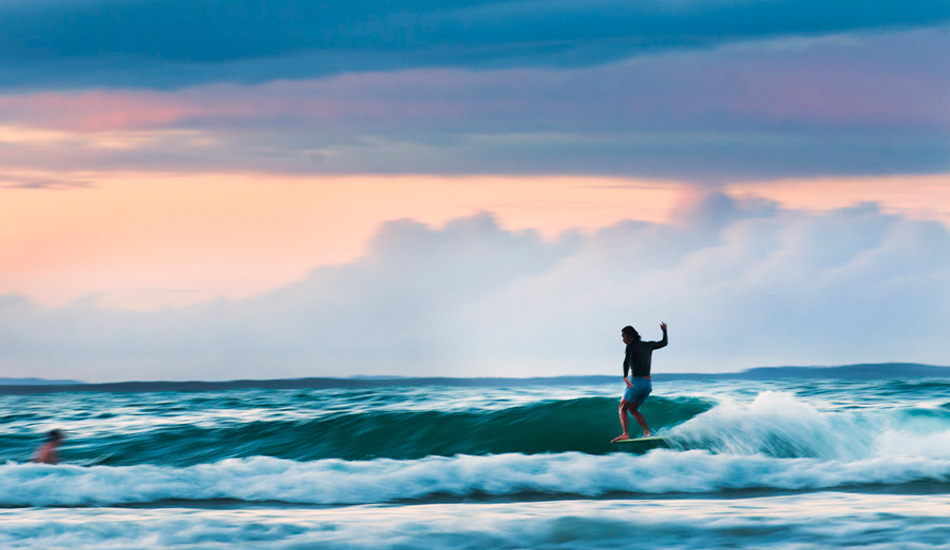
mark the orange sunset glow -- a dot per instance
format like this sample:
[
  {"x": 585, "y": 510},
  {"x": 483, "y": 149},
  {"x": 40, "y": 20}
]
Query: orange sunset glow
[
  {"x": 922, "y": 197},
  {"x": 146, "y": 240}
]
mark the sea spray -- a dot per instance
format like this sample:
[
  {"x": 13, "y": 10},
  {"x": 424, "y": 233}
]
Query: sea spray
[{"x": 780, "y": 425}]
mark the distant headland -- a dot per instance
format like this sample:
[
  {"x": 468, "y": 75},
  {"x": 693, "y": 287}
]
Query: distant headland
[
  {"x": 9, "y": 386},
  {"x": 37, "y": 382}
]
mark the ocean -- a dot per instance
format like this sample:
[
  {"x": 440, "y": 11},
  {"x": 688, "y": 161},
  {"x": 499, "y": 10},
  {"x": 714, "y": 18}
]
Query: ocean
[{"x": 780, "y": 464}]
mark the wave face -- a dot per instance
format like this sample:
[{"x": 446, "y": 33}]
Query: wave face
[
  {"x": 352, "y": 425},
  {"x": 345, "y": 447}
]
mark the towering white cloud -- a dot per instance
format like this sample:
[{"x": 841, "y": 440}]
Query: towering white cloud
[{"x": 741, "y": 285}]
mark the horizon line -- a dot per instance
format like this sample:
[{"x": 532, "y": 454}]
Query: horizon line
[{"x": 866, "y": 370}]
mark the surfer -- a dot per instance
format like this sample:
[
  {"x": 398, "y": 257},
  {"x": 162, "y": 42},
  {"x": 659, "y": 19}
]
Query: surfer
[
  {"x": 49, "y": 452},
  {"x": 636, "y": 363}
]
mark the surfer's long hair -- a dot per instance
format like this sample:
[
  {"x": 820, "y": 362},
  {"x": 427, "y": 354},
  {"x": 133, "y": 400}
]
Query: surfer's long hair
[{"x": 630, "y": 331}]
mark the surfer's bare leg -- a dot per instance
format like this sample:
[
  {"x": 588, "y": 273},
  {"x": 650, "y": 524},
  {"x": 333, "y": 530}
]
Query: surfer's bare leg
[
  {"x": 624, "y": 422},
  {"x": 635, "y": 411}
]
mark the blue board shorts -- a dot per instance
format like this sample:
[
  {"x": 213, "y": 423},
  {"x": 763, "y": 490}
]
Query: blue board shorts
[{"x": 639, "y": 392}]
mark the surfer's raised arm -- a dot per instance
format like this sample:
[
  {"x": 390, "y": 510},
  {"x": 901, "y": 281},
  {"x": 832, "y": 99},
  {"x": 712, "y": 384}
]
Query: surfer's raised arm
[{"x": 663, "y": 342}]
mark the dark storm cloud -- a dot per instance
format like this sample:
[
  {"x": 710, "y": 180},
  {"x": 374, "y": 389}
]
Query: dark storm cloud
[
  {"x": 838, "y": 105},
  {"x": 172, "y": 43}
]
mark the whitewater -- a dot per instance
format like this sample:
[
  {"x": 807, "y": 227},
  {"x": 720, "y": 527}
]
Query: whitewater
[{"x": 786, "y": 464}]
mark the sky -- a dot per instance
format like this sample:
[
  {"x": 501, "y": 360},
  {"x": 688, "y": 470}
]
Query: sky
[{"x": 224, "y": 189}]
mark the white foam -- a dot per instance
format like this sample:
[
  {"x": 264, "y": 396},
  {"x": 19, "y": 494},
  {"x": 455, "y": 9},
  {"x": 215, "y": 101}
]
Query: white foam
[
  {"x": 813, "y": 521},
  {"x": 779, "y": 424},
  {"x": 385, "y": 480}
]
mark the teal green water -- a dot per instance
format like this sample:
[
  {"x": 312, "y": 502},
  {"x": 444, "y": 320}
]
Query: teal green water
[
  {"x": 189, "y": 428},
  {"x": 184, "y": 429},
  {"x": 773, "y": 464}
]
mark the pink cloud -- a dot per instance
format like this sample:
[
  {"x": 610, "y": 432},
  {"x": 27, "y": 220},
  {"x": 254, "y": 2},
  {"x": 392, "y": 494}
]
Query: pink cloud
[
  {"x": 825, "y": 82},
  {"x": 94, "y": 111}
]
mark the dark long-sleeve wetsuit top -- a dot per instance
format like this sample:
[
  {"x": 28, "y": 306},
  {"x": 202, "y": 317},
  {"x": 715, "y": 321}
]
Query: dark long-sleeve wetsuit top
[{"x": 639, "y": 355}]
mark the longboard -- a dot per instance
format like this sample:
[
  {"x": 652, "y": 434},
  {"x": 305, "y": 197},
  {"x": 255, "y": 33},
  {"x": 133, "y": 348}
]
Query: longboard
[{"x": 642, "y": 439}]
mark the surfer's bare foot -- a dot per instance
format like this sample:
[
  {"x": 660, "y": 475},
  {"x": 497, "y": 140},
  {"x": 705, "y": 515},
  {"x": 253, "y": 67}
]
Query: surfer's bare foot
[
  {"x": 619, "y": 437},
  {"x": 647, "y": 433}
]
